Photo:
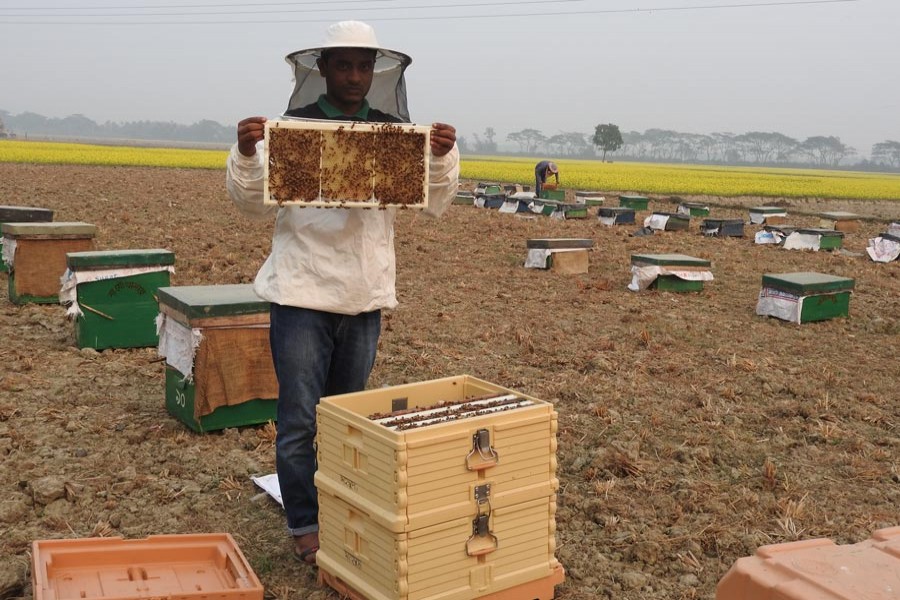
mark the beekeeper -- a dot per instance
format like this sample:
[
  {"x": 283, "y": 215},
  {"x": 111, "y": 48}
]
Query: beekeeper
[
  {"x": 330, "y": 271},
  {"x": 542, "y": 170}
]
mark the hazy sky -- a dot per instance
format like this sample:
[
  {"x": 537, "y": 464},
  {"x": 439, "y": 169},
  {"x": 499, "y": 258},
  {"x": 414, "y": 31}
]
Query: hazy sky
[{"x": 804, "y": 69}]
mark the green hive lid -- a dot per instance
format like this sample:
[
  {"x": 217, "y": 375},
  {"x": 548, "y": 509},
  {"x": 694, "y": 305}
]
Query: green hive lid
[
  {"x": 200, "y": 301},
  {"x": 767, "y": 210},
  {"x": 672, "y": 260},
  {"x": 556, "y": 243},
  {"x": 822, "y": 232},
  {"x": 693, "y": 205},
  {"x": 24, "y": 214},
  {"x": 56, "y": 228},
  {"x": 672, "y": 215},
  {"x": 840, "y": 216},
  {"x": 588, "y": 193},
  {"x": 627, "y": 197},
  {"x": 802, "y": 283},
  {"x": 119, "y": 258},
  {"x": 611, "y": 211}
]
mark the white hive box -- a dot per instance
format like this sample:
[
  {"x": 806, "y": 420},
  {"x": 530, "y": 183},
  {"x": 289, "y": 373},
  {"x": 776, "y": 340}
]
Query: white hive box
[
  {"x": 346, "y": 164},
  {"x": 455, "y": 509}
]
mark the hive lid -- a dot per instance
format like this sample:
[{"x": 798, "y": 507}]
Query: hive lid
[
  {"x": 783, "y": 229},
  {"x": 720, "y": 222},
  {"x": 672, "y": 215},
  {"x": 819, "y": 231},
  {"x": 693, "y": 205},
  {"x": 804, "y": 282},
  {"x": 890, "y": 236},
  {"x": 629, "y": 197},
  {"x": 556, "y": 243},
  {"x": 840, "y": 216},
  {"x": 767, "y": 210},
  {"x": 24, "y": 214},
  {"x": 51, "y": 228},
  {"x": 674, "y": 260},
  {"x": 611, "y": 211},
  {"x": 201, "y": 301},
  {"x": 588, "y": 193},
  {"x": 119, "y": 258}
]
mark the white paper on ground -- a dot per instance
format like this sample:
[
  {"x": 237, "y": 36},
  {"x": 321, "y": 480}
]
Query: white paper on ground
[
  {"x": 802, "y": 241},
  {"x": 178, "y": 344},
  {"x": 657, "y": 222},
  {"x": 269, "y": 484},
  {"x": 883, "y": 250},
  {"x": 780, "y": 304},
  {"x": 643, "y": 276},
  {"x": 9, "y": 250}
]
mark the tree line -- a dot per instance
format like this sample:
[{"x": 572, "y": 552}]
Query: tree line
[{"x": 665, "y": 145}]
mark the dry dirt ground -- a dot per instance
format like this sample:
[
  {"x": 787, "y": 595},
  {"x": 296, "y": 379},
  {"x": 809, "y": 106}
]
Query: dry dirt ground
[{"x": 691, "y": 430}]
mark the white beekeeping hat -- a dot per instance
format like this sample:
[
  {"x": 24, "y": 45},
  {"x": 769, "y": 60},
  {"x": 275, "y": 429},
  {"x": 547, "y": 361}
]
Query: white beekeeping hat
[{"x": 388, "y": 91}]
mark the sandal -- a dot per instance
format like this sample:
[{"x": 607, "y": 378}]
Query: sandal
[{"x": 304, "y": 555}]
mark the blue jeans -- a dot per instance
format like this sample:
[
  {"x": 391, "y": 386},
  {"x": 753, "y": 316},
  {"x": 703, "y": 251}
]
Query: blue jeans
[{"x": 316, "y": 354}]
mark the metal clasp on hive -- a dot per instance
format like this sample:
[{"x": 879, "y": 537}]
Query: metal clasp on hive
[{"x": 482, "y": 452}]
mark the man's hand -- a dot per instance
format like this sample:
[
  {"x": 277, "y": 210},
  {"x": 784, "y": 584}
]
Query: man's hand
[
  {"x": 250, "y": 131},
  {"x": 443, "y": 137}
]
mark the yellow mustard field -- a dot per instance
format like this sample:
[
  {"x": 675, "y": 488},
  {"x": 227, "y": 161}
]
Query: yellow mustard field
[
  {"x": 574, "y": 174},
  {"x": 691, "y": 179},
  {"x": 14, "y": 151}
]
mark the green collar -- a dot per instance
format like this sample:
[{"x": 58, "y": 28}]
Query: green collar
[{"x": 333, "y": 112}]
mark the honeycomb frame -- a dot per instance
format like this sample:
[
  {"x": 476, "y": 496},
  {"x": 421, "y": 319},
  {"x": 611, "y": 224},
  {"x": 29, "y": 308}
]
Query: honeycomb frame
[{"x": 346, "y": 164}]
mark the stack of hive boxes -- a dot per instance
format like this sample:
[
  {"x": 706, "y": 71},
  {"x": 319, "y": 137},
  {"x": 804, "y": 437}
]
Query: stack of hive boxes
[{"x": 420, "y": 499}]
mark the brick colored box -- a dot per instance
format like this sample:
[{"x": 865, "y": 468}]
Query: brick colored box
[
  {"x": 817, "y": 569},
  {"x": 36, "y": 254},
  {"x": 635, "y": 202},
  {"x": 174, "y": 567},
  {"x": 231, "y": 380},
  {"x": 805, "y": 296},
  {"x": 117, "y": 296},
  {"x": 21, "y": 214},
  {"x": 456, "y": 508}
]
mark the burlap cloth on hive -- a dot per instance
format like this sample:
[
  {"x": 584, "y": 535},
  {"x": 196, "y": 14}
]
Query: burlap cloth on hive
[{"x": 233, "y": 365}]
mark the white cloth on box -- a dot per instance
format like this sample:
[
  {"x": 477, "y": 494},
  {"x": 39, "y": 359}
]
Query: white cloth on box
[
  {"x": 780, "y": 304},
  {"x": 479, "y": 202},
  {"x": 643, "y": 276},
  {"x": 68, "y": 293},
  {"x": 607, "y": 220},
  {"x": 536, "y": 208},
  {"x": 178, "y": 344},
  {"x": 802, "y": 241},
  {"x": 335, "y": 260},
  {"x": 523, "y": 196},
  {"x": 683, "y": 210},
  {"x": 509, "y": 206},
  {"x": 9, "y": 250},
  {"x": 883, "y": 250},
  {"x": 537, "y": 258},
  {"x": 657, "y": 222}
]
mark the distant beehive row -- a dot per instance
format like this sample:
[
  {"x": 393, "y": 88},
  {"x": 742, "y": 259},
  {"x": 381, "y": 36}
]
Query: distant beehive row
[{"x": 311, "y": 163}]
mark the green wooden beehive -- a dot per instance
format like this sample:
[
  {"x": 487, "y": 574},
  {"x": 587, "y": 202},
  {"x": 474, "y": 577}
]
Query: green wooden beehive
[
  {"x": 232, "y": 382},
  {"x": 21, "y": 214},
  {"x": 693, "y": 209},
  {"x": 559, "y": 195},
  {"x": 635, "y": 202},
  {"x": 118, "y": 310},
  {"x": 675, "y": 222},
  {"x": 575, "y": 211},
  {"x": 823, "y": 296},
  {"x": 671, "y": 283},
  {"x": 829, "y": 239}
]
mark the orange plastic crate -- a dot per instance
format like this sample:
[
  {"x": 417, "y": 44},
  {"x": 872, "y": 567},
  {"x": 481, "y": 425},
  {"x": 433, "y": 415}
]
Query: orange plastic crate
[
  {"x": 174, "y": 567},
  {"x": 818, "y": 569}
]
